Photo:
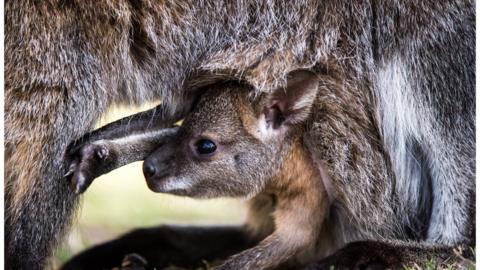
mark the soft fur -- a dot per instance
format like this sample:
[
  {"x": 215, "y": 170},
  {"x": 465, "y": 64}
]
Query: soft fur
[{"x": 410, "y": 64}]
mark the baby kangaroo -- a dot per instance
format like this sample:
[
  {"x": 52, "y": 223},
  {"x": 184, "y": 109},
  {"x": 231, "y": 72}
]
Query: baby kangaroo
[{"x": 233, "y": 145}]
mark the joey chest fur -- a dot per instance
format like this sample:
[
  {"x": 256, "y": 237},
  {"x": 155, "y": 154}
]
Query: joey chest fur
[{"x": 298, "y": 205}]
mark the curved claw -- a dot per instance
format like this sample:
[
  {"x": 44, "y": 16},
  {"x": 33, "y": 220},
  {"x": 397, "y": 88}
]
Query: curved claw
[
  {"x": 134, "y": 261},
  {"x": 82, "y": 183},
  {"x": 71, "y": 169},
  {"x": 67, "y": 174},
  {"x": 87, "y": 163}
]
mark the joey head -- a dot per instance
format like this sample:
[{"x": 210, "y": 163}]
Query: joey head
[{"x": 235, "y": 145}]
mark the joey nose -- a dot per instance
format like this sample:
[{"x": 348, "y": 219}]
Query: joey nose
[
  {"x": 148, "y": 169},
  {"x": 158, "y": 165}
]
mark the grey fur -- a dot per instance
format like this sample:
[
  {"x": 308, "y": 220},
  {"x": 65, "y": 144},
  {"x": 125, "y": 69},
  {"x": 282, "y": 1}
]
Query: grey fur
[{"x": 67, "y": 61}]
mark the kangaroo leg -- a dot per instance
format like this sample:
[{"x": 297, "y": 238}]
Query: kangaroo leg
[
  {"x": 38, "y": 202},
  {"x": 166, "y": 245}
]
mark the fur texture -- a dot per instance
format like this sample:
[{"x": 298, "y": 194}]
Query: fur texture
[{"x": 67, "y": 61}]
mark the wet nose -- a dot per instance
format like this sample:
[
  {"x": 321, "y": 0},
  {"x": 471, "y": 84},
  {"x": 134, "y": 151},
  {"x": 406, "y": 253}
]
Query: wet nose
[
  {"x": 148, "y": 169},
  {"x": 160, "y": 164}
]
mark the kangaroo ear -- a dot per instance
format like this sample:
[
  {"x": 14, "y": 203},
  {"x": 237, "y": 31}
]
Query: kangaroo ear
[{"x": 291, "y": 105}]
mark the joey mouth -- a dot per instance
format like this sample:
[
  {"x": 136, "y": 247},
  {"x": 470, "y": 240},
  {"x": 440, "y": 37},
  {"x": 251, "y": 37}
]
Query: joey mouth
[{"x": 170, "y": 185}]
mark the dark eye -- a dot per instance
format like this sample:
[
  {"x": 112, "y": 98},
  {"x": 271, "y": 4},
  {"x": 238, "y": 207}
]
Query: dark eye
[{"x": 205, "y": 146}]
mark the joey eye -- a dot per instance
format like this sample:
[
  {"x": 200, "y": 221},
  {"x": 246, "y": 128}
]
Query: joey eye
[{"x": 205, "y": 146}]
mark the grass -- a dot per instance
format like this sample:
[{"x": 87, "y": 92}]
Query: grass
[{"x": 457, "y": 261}]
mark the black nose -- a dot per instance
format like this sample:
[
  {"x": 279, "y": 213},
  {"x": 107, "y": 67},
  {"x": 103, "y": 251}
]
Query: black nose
[{"x": 148, "y": 169}]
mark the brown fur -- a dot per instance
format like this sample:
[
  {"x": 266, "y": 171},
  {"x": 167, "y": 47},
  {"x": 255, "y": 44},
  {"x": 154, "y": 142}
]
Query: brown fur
[
  {"x": 290, "y": 193},
  {"x": 302, "y": 203},
  {"x": 67, "y": 61}
]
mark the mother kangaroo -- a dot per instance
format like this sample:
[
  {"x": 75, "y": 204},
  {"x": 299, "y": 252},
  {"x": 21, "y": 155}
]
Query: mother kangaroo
[{"x": 67, "y": 61}]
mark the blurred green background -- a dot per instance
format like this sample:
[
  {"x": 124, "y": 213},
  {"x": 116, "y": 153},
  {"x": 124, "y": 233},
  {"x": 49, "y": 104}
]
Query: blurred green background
[{"x": 120, "y": 201}]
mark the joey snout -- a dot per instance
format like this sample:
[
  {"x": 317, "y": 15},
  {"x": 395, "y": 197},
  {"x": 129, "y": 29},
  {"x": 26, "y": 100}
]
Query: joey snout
[{"x": 160, "y": 167}]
